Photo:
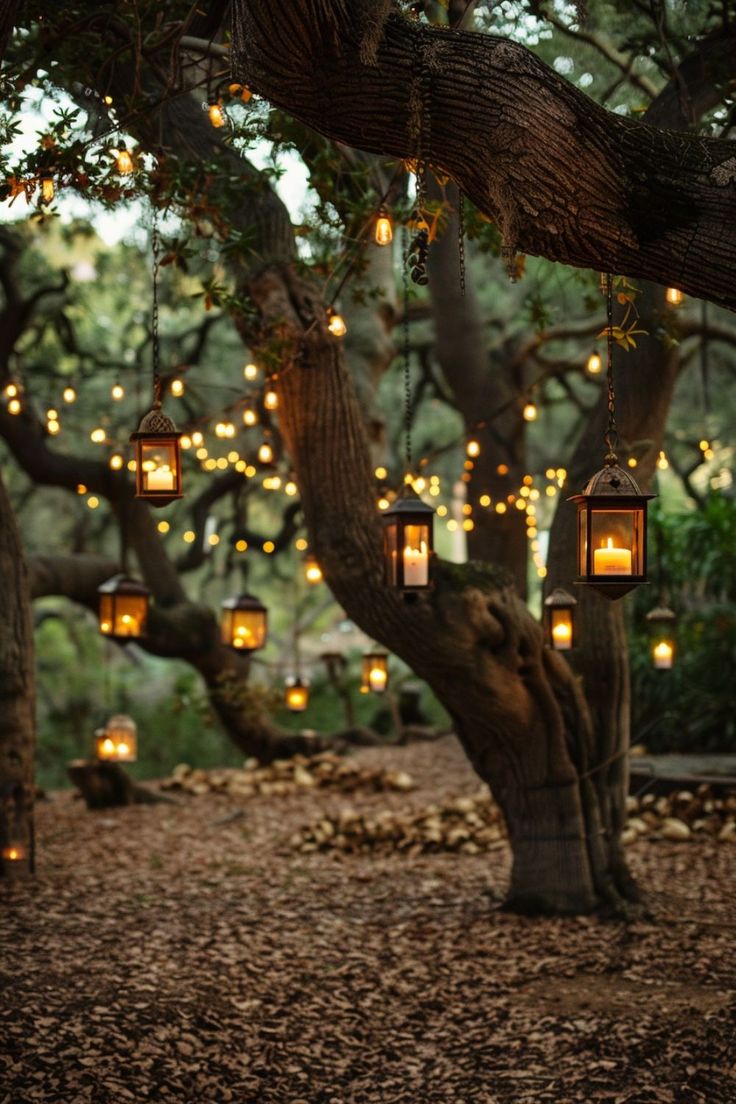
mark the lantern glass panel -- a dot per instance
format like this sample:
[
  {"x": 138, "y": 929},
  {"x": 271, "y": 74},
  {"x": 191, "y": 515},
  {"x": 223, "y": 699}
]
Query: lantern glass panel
[
  {"x": 375, "y": 672},
  {"x": 617, "y": 541},
  {"x": 123, "y": 614},
  {"x": 561, "y": 630},
  {"x": 244, "y": 630},
  {"x": 663, "y": 651},
  {"x": 390, "y": 553},
  {"x": 296, "y": 696},
  {"x": 415, "y": 555},
  {"x": 158, "y": 465}
]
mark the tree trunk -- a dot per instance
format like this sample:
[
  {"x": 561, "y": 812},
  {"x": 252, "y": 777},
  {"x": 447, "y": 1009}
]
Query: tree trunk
[
  {"x": 17, "y": 703},
  {"x": 564, "y": 178},
  {"x": 108, "y": 786}
]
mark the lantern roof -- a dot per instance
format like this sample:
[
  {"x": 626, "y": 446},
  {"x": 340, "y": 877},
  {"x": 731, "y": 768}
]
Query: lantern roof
[
  {"x": 121, "y": 721},
  {"x": 560, "y": 599},
  {"x": 661, "y": 613},
  {"x": 155, "y": 423},
  {"x": 244, "y": 602},
  {"x": 297, "y": 682},
  {"x": 407, "y": 501},
  {"x": 121, "y": 584},
  {"x": 612, "y": 481}
]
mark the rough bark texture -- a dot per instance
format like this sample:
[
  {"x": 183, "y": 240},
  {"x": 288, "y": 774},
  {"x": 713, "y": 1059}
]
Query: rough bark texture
[
  {"x": 564, "y": 178},
  {"x": 17, "y": 700}
]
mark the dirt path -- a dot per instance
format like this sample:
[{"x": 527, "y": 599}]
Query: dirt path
[{"x": 184, "y": 953}]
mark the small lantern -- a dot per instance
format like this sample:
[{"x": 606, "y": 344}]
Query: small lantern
[
  {"x": 265, "y": 453},
  {"x": 250, "y": 415},
  {"x": 123, "y": 612},
  {"x": 296, "y": 694},
  {"x": 612, "y": 531},
  {"x": 384, "y": 228},
  {"x": 661, "y": 624},
  {"x": 674, "y": 297},
  {"x": 271, "y": 398},
  {"x": 16, "y": 839},
  {"x": 559, "y": 620},
  {"x": 407, "y": 541},
  {"x": 312, "y": 570},
  {"x": 244, "y": 623},
  {"x": 375, "y": 672},
  {"x": 157, "y": 459},
  {"x": 124, "y": 161},
  {"x": 117, "y": 742},
  {"x": 530, "y": 411}
]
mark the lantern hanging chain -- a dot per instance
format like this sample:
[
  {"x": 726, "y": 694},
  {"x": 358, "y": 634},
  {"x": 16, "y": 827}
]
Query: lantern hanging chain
[
  {"x": 156, "y": 356},
  {"x": 461, "y": 237},
  {"x": 611, "y": 434},
  {"x": 406, "y": 351}
]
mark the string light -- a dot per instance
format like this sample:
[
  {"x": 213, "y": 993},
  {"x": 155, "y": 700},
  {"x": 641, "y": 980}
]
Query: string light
[
  {"x": 10, "y": 390},
  {"x": 674, "y": 297},
  {"x": 530, "y": 412},
  {"x": 336, "y": 323},
  {"x": 117, "y": 392},
  {"x": 250, "y": 415},
  {"x": 97, "y": 435},
  {"x": 123, "y": 161},
  {"x": 473, "y": 448},
  {"x": 250, "y": 372},
  {"x": 69, "y": 395},
  {"x": 271, "y": 399},
  {"x": 177, "y": 387},
  {"x": 14, "y": 406},
  {"x": 594, "y": 364},
  {"x": 265, "y": 453},
  {"x": 384, "y": 228},
  {"x": 217, "y": 114}
]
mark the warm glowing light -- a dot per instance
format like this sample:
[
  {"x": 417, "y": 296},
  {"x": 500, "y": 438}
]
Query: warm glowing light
[
  {"x": 674, "y": 297},
  {"x": 384, "y": 229},
  {"x": 290, "y": 488},
  {"x": 241, "y": 546},
  {"x": 502, "y": 469},
  {"x": 336, "y": 325},
  {"x": 217, "y": 115},
  {"x": 69, "y": 395},
  {"x": 47, "y": 187},
  {"x": 123, "y": 161},
  {"x": 269, "y": 547},
  {"x": 189, "y": 537},
  {"x": 197, "y": 438},
  {"x": 662, "y": 461},
  {"x": 177, "y": 387},
  {"x": 93, "y": 502},
  {"x": 265, "y": 453},
  {"x": 213, "y": 540},
  {"x": 53, "y": 426},
  {"x": 485, "y": 500},
  {"x": 663, "y": 655},
  {"x": 609, "y": 560},
  {"x": 117, "y": 392},
  {"x": 271, "y": 399},
  {"x": 500, "y": 507},
  {"x": 473, "y": 448},
  {"x": 250, "y": 371},
  {"x": 13, "y": 853},
  {"x": 14, "y": 406},
  {"x": 312, "y": 571},
  {"x": 250, "y": 416},
  {"x": 10, "y": 390},
  {"x": 163, "y": 526},
  {"x": 97, "y": 435},
  {"x": 296, "y": 695},
  {"x": 594, "y": 364},
  {"x": 530, "y": 412}
]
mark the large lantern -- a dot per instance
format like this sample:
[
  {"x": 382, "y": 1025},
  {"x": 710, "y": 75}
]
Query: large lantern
[
  {"x": 296, "y": 694},
  {"x": 123, "y": 611},
  {"x": 375, "y": 672},
  {"x": 117, "y": 742},
  {"x": 407, "y": 541},
  {"x": 661, "y": 624},
  {"x": 612, "y": 532},
  {"x": 559, "y": 620},
  {"x": 157, "y": 459},
  {"x": 244, "y": 623}
]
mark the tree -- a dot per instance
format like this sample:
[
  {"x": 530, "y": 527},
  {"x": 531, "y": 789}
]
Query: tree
[{"x": 364, "y": 74}]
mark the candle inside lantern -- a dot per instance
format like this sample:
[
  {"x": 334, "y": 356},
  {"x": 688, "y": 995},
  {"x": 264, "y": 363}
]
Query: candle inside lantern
[
  {"x": 562, "y": 636},
  {"x": 159, "y": 479},
  {"x": 416, "y": 557},
  {"x": 611, "y": 561},
  {"x": 128, "y": 625},
  {"x": 242, "y": 637},
  {"x": 106, "y": 749},
  {"x": 378, "y": 678},
  {"x": 14, "y": 852},
  {"x": 663, "y": 656}
]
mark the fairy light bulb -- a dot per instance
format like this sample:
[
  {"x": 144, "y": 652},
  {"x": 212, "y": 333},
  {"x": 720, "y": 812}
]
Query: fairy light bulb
[
  {"x": 530, "y": 412},
  {"x": 48, "y": 190},
  {"x": 14, "y": 406},
  {"x": 177, "y": 388},
  {"x": 69, "y": 395},
  {"x": 116, "y": 461},
  {"x": 674, "y": 297},
  {"x": 336, "y": 325},
  {"x": 271, "y": 399},
  {"x": 250, "y": 416},
  {"x": 265, "y": 453},
  {"x": 217, "y": 115},
  {"x": 117, "y": 392},
  {"x": 250, "y": 372},
  {"x": 97, "y": 435},
  {"x": 123, "y": 161},
  {"x": 473, "y": 448},
  {"x": 384, "y": 228},
  {"x": 10, "y": 390},
  {"x": 594, "y": 364}
]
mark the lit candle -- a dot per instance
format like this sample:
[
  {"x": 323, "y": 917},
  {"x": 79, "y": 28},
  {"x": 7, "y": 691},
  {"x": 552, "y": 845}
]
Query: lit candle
[
  {"x": 13, "y": 853},
  {"x": 416, "y": 565},
  {"x": 107, "y": 749},
  {"x": 663, "y": 654},
  {"x": 128, "y": 625},
  {"x": 562, "y": 636},
  {"x": 243, "y": 636},
  {"x": 160, "y": 479},
  {"x": 123, "y": 750},
  {"x": 611, "y": 561},
  {"x": 378, "y": 678}
]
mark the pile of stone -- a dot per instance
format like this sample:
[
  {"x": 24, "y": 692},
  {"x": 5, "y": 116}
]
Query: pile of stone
[{"x": 284, "y": 777}]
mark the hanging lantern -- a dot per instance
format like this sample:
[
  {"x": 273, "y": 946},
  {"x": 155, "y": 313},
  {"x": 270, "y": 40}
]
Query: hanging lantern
[
  {"x": 265, "y": 453},
  {"x": 559, "y": 620},
  {"x": 123, "y": 610},
  {"x": 384, "y": 228},
  {"x": 271, "y": 398},
  {"x": 117, "y": 742},
  {"x": 157, "y": 458},
  {"x": 296, "y": 694},
  {"x": 375, "y": 672},
  {"x": 674, "y": 297},
  {"x": 612, "y": 511},
  {"x": 243, "y": 623},
  {"x": 250, "y": 414},
  {"x": 250, "y": 371},
  {"x": 123, "y": 161},
  {"x": 312, "y": 570},
  {"x": 47, "y": 187},
  {"x": 407, "y": 541},
  {"x": 216, "y": 113},
  {"x": 594, "y": 364},
  {"x": 661, "y": 624}
]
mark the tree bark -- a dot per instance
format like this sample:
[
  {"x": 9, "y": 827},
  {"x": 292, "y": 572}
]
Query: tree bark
[
  {"x": 17, "y": 703},
  {"x": 564, "y": 178}
]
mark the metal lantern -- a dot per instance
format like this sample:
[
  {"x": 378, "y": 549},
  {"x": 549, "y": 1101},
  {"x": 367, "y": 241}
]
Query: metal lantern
[
  {"x": 123, "y": 610},
  {"x": 296, "y": 694},
  {"x": 375, "y": 672},
  {"x": 407, "y": 541},
  {"x": 661, "y": 624},
  {"x": 612, "y": 532},
  {"x": 559, "y": 620},
  {"x": 244, "y": 623},
  {"x": 117, "y": 742},
  {"x": 157, "y": 458}
]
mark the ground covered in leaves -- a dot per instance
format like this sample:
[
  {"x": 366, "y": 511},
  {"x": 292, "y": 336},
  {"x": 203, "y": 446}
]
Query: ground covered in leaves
[{"x": 195, "y": 952}]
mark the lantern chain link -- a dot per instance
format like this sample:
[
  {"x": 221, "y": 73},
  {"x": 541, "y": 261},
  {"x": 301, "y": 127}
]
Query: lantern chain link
[
  {"x": 406, "y": 351},
  {"x": 461, "y": 236},
  {"x": 611, "y": 435},
  {"x": 156, "y": 357}
]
